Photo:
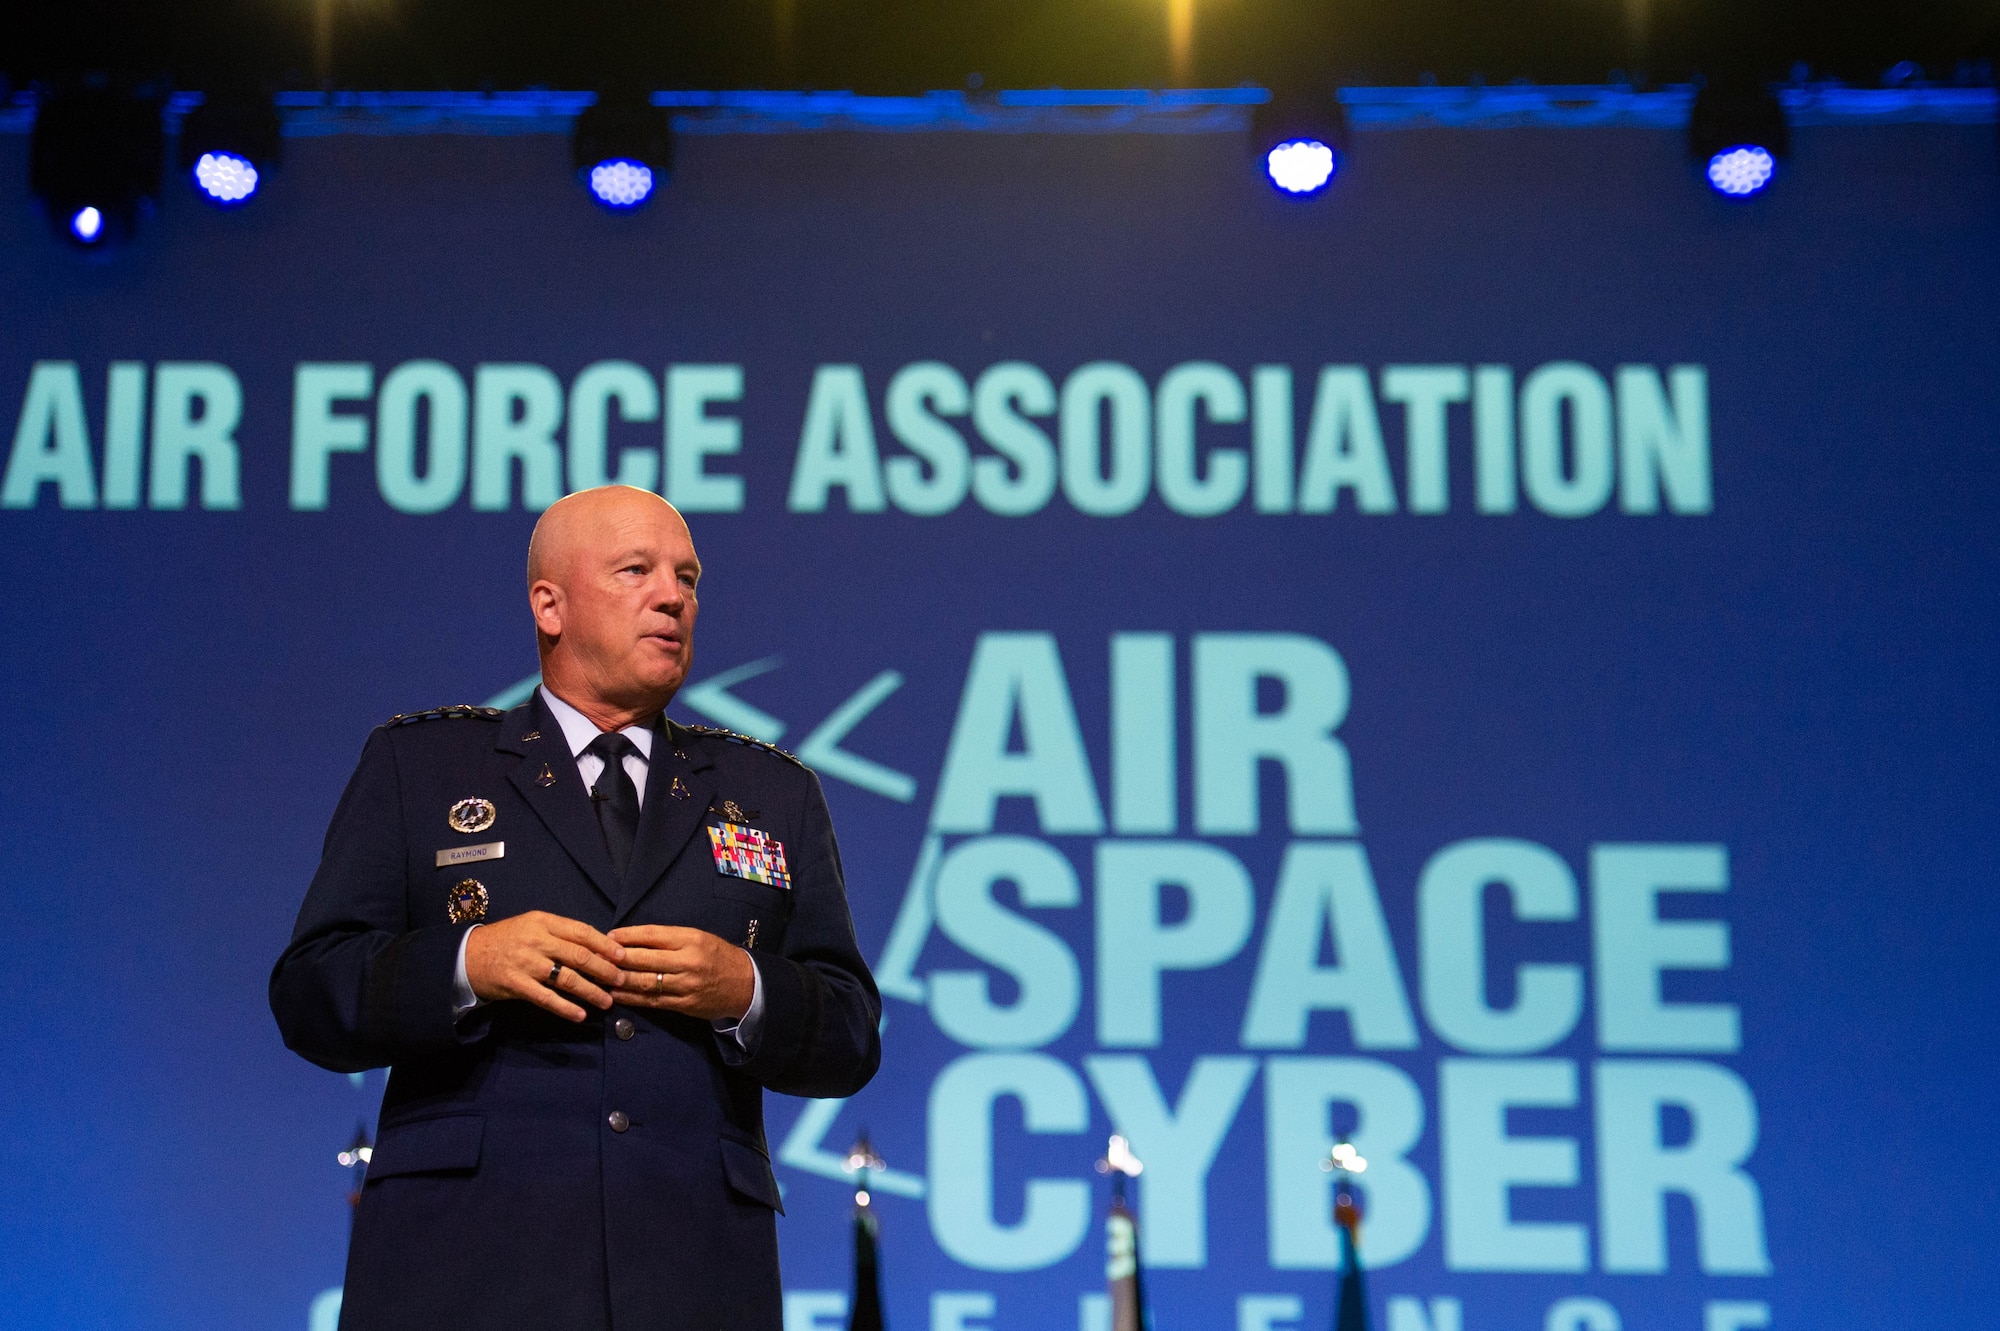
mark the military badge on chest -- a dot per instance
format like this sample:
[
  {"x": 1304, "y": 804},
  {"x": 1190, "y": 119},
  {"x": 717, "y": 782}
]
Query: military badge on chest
[
  {"x": 745, "y": 852},
  {"x": 471, "y": 815},
  {"x": 467, "y": 902},
  {"x": 468, "y": 899}
]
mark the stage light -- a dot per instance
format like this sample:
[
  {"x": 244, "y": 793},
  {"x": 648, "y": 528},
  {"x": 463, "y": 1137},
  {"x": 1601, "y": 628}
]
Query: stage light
[
  {"x": 225, "y": 178},
  {"x": 1737, "y": 134},
  {"x": 622, "y": 147},
  {"x": 94, "y": 161},
  {"x": 621, "y": 182},
  {"x": 1301, "y": 166},
  {"x": 229, "y": 144},
  {"x": 1742, "y": 171},
  {"x": 1299, "y": 136}
]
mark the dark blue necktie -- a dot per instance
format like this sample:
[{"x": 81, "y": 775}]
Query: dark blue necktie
[{"x": 615, "y": 798}]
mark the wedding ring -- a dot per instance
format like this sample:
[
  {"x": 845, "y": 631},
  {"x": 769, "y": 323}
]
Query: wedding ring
[
  {"x": 659, "y": 981},
  {"x": 554, "y": 972}
]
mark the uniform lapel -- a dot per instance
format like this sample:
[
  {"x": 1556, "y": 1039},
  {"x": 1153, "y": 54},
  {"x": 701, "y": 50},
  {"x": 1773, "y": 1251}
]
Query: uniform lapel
[
  {"x": 680, "y": 784},
  {"x": 563, "y": 804}
]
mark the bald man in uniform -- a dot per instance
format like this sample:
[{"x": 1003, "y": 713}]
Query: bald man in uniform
[{"x": 585, "y": 939}]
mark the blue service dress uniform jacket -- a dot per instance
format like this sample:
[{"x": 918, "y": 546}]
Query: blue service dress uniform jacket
[{"x": 532, "y": 1172}]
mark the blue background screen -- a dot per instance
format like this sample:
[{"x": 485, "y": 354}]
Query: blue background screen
[{"x": 1497, "y": 661}]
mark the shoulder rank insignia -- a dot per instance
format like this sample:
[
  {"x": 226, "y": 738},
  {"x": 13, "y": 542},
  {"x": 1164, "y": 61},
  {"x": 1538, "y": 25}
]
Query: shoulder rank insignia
[
  {"x": 457, "y": 712},
  {"x": 732, "y": 737}
]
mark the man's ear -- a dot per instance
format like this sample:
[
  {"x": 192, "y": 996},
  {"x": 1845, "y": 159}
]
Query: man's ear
[{"x": 545, "y": 602}]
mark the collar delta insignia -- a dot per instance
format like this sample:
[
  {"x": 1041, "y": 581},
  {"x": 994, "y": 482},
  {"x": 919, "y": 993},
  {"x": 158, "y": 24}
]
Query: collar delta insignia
[
  {"x": 473, "y": 815},
  {"x": 467, "y": 902}
]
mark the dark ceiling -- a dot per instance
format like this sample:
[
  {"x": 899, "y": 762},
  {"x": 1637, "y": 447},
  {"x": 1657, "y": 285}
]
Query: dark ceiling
[{"x": 893, "y": 46}]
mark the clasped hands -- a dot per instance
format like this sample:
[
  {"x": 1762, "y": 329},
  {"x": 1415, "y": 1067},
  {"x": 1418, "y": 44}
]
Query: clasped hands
[{"x": 640, "y": 965}]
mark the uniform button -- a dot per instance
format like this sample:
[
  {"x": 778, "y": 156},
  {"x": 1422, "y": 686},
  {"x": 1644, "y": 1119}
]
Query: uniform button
[
  {"x": 618, "y": 1121},
  {"x": 623, "y": 1028}
]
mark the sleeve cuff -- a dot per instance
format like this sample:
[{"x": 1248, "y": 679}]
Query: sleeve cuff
[
  {"x": 790, "y": 1002},
  {"x": 744, "y": 1030},
  {"x": 463, "y": 1000}
]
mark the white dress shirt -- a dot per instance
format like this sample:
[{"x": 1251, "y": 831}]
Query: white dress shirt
[{"x": 578, "y": 731}]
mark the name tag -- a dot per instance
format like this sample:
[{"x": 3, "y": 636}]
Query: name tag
[{"x": 491, "y": 850}]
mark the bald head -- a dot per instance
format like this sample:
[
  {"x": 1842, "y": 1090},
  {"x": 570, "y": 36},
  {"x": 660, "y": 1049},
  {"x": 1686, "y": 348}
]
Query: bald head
[
  {"x": 611, "y": 582},
  {"x": 567, "y": 525}
]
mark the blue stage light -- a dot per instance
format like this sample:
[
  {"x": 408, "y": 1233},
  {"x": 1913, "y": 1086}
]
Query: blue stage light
[
  {"x": 622, "y": 147},
  {"x": 225, "y": 178},
  {"x": 94, "y": 161},
  {"x": 1301, "y": 166},
  {"x": 231, "y": 144},
  {"x": 1299, "y": 136},
  {"x": 1741, "y": 171},
  {"x": 1737, "y": 134},
  {"x": 621, "y": 182}
]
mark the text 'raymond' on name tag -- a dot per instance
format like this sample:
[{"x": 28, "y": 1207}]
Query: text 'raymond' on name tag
[{"x": 491, "y": 850}]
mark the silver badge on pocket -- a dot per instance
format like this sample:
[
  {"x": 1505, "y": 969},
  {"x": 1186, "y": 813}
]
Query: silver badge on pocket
[{"x": 472, "y": 815}]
